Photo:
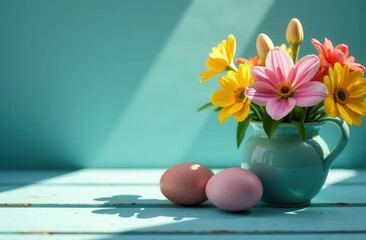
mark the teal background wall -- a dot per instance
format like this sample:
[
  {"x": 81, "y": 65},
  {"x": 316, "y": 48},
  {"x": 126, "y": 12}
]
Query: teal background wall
[{"x": 115, "y": 83}]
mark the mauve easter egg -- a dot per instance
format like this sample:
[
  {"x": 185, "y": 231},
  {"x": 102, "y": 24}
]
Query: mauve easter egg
[
  {"x": 234, "y": 189},
  {"x": 185, "y": 183}
]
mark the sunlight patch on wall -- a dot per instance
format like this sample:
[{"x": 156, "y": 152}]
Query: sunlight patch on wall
[{"x": 160, "y": 122}]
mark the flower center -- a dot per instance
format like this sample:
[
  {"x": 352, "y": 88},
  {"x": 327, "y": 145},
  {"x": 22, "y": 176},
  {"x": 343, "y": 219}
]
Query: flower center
[
  {"x": 239, "y": 94},
  {"x": 341, "y": 96},
  {"x": 284, "y": 90}
]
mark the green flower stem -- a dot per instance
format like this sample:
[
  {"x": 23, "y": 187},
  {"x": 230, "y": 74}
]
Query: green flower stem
[
  {"x": 263, "y": 109},
  {"x": 319, "y": 114},
  {"x": 295, "y": 48},
  {"x": 306, "y": 109},
  {"x": 232, "y": 67},
  {"x": 312, "y": 113},
  {"x": 257, "y": 111}
]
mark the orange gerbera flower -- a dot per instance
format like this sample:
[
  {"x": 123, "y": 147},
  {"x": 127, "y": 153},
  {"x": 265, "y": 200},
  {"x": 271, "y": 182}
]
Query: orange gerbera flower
[
  {"x": 253, "y": 61},
  {"x": 257, "y": 61},
  {"x": 330, "y": 55}
]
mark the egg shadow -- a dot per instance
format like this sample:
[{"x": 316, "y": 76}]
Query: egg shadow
[
  {"x": 205, "y": 218},
  {"x": 127, "y": 206},
  {"x": 168, "y": 219}
]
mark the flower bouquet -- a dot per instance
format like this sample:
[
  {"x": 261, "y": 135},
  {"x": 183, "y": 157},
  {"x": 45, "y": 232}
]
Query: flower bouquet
[
  {"x": 286, "y": 101},
  {"x": 275, "y": 87}
]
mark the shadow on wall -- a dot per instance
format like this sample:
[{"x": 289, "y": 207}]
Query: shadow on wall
[{"x": 68, "y": 70}]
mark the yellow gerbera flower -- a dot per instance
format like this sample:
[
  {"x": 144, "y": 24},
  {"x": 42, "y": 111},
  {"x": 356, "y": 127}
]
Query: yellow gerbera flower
[
  {"x": 220, "y": 59},
  {"x": 346, "y": 94},
  {"x": 231, "y": 97}
]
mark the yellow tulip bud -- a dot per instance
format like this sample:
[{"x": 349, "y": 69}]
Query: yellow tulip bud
[
  {"x": 264, "y": 45},
  {"x": 294, "y": 32}
]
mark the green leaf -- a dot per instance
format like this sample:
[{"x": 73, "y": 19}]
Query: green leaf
[
  {"x": 241, "y": 129},
  {"x": 218, "y": 109},
  {"x": 270, "y": 125},
  {"x": 204, "y": 107},
  {"x": 300, "y": 128},
  {"x": 297, "y": 114}
]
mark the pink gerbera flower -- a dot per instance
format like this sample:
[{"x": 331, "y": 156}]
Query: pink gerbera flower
[
  {"x": 330, "y": 55},
  {"x": 281, "y": 85}
]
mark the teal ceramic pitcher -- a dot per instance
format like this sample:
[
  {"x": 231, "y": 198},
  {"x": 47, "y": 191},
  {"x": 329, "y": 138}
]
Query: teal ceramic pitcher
[{"x": 292, "y": 171}]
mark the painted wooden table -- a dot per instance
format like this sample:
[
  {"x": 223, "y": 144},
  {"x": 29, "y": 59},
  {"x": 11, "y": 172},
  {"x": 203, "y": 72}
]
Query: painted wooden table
[{"x": 127, "y": 204}]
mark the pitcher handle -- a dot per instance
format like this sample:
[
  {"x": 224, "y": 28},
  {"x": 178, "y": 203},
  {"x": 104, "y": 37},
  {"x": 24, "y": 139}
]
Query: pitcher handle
[{"x": 342, "y": 142}]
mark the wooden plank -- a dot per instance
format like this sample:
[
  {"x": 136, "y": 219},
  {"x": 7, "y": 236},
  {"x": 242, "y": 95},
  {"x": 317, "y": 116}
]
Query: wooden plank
[
  {"x": 88, "y": 194},
  {"x": 346, "y": 176},
  {"x": 339, "y": 236},
  {"x": 118, "y": 195},
  {"x": 131, "y": 176},
  {"x": 65, "y": 204},
  {"x": 341, "y": 194},
  {"x": 24, "y": 177},
  {"x": 83, "y": 176},
  {"x": 183, "y": 220}
]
